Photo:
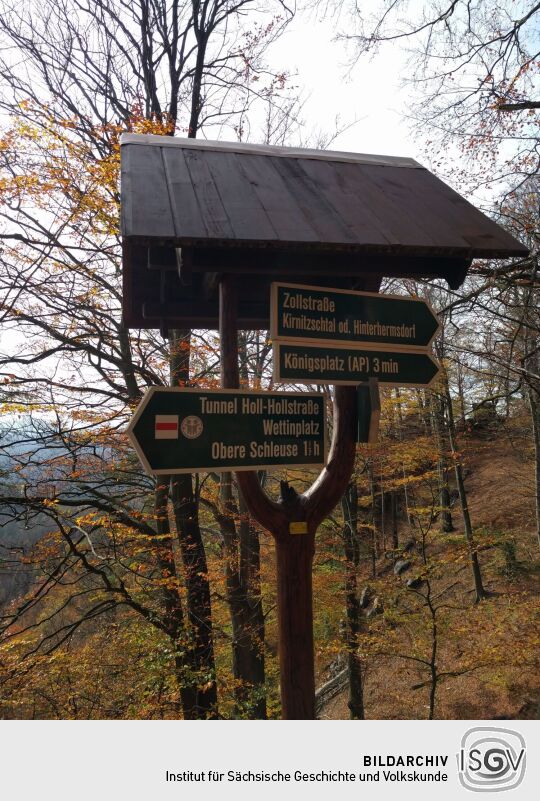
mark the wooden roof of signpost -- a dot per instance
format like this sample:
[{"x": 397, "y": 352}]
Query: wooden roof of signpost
[{"x": 277, "y": 213}]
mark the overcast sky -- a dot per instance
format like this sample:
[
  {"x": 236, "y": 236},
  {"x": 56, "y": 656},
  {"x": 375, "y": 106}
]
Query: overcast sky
[{"x": 369, "y": 91}]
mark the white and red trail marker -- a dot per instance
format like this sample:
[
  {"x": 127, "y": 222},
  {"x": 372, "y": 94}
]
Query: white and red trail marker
[{"x": 166, "y": 426}]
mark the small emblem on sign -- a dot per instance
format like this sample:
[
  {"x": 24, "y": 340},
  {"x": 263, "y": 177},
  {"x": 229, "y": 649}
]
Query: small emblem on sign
[
  {"x": 166, "y": 426},
  {"x": 191, "y": 427}
]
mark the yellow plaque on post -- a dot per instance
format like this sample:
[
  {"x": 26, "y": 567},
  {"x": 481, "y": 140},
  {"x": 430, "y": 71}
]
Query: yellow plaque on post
[{"x": 298, "y": 528}]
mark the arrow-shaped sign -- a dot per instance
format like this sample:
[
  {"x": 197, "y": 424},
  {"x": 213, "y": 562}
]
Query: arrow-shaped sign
[
  {"x": 178, "y": 430},
  {"x": 313, "y": 364},
  {"x": 331, "y": 316}
]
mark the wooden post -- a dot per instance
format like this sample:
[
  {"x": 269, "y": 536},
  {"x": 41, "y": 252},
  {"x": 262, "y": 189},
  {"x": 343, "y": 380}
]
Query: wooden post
[
  {"x": 294, "y": 560},
  {"x": 228, "y": 332},
  {"x": 294, "y": 551}
]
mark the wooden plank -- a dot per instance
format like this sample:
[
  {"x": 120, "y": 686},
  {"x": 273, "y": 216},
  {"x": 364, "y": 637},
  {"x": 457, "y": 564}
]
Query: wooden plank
[
  {"x": 416, "y": 205},
  {"x": 480, "y": 233},
  {"x": 389, "y": 206},
  {"x": 207, "y": 310},
  {"x": 288, "y": 220},
  {"x": 246, "y": 214},
  {"x": 187, "y": 215},
  {"x": 212, "y": 210},
  {"x": 264, "y": 150},
  {"x": 148, "y": 211},
  {"x": 328, "y": 263},
  {"x": 128, "y": 284},
  {"x": 161, "y": 258},
  {"x": 312, "y": 202},
  {"x": 180, "y": 316},
  {"x": 126, "y": 192},
  {"x": 348, "y": 203}
]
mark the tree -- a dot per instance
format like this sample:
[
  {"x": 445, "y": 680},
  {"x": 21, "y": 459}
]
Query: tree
[
  {"x": 91, "y": 71},
  {"x": 512, "y": 301},
  {"x": 474, "y": 67},
  {"x": 351, "y": 547}
]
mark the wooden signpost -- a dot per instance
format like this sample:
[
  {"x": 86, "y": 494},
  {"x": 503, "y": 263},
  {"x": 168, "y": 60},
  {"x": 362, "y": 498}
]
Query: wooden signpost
[
  {"x": 179, "y": 430},
  {"x": 210, "y": 225},
  {"x": 293, "y": 522}
]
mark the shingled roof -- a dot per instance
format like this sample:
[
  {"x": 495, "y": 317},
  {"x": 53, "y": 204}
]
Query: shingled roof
[{"x": 286, "y": 213}]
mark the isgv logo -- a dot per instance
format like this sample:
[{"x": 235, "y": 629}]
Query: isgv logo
[{"x": 491, "y": 759}]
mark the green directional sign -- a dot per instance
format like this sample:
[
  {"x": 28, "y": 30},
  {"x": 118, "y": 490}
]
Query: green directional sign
[
  {"x": 313, "y": 364},
  {"x": 334, "y": 315},
  {"x": 177, "y": 430}
]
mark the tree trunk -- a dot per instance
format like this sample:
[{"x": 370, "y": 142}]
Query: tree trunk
[
  {"x": 198, "y": 604},
  {"x": 250, "y": 573},
  {"x": 469, "y": 536},
  {"x": 461, "y": 394},
  {"x": 250, "y": 578},
  {"x": 394, "y": 519},
  {"x": 373, "y": 530},
  {"x": 172, "y": 603},
  {"x": 349, "y": 505},
  {"x": 400, "y": 437},
  {"x": 534, "y": 403},
  {"x": 245, "y": 609},
  {"x": 437, "y": 406},
  {"x": 195, "y": 571}
]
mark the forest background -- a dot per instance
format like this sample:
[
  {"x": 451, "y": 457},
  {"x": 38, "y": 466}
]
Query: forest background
[{"x": 123, "y": 597}]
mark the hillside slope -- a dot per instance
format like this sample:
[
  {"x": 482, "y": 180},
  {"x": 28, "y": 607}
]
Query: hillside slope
[{"x": 497, "y": 646}]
